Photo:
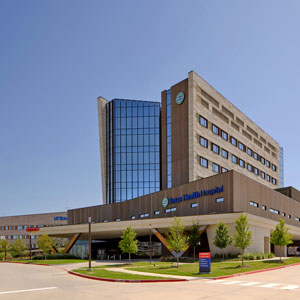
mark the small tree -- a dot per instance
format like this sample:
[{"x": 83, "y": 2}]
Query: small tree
[
  {"x": 194, "y": 237},
  {"x": 280, "y": 236},
  {"x": 4, "y": 247},
  {"x": 19, "y": 247},
  {"x": 45, "y": 244},
  {"x": 128, "y": 243},
  {"x": 176, "y": 238},
  {"x": 222, "y": 238},
  {"x": 243, "y": 235}
]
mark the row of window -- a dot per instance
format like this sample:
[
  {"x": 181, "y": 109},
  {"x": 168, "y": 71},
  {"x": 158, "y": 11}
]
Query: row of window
[
  {"x": 224, "y": 153},
  {"x": 272, "y": 210},
  {"x": 24, "y": 237},
  {"x": 224, "y": 135},
  {"x": 22, "y": 227}
]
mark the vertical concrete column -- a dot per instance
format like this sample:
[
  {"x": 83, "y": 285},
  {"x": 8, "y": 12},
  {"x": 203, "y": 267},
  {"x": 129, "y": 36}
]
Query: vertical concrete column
[{"x": 267, "y": 244}]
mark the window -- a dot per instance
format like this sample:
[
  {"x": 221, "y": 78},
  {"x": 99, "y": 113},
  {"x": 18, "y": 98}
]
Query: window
[
  {"x": 241, "y": 146},
  {"x": 263, "y": 207},
  {"x": 289, "y": 216},
  {"x": 145, "y": 215},
  {"x": 203, "y": 162},
  {"x": 268, "y": 178},
  {"x": 105, "y": 221},
  {"x": 118, "y": 220},
  {"x": 194, "y": 204},
  {"x": 296, "y": 219},
  {"x": 249, "y": 167},
  {"x": 283, "y": 214},
  {"x": 268, "y": 164},
  {"x": 262, "y": 175},
  {"x": 242, "y": 163},
  {"x": 274, "y": 211},
  {"x": 233, "y": 141},
  {"x": 224, "y": 170},
  {"x": 170, "y": 209},
  {"x": 157, "y": 212},
  {"x": 219, "y": 200},
  {"x": 255, "y": 155},
  {"x": 203, "y": 142},
  {"x": 262, "y": 160},
  {"x": 255, "y": 170},
  {"x": 215, "y": 129},
  {"x": 274, "y": 181},
  {"x": 224, "y": 135},
  {"x": 254, "y": 204},
  {"x": 215, "y": 168},
  {"x": 224, "y": 153},
  {"x": 132, "y": 217},
  {"x": 215, "y": 148},
  {"x": 274, "y": 168},
  {"x": 203, "y": 122},
  {"x": 249, "y": 151},
  {"x": 234, "y": 159}
]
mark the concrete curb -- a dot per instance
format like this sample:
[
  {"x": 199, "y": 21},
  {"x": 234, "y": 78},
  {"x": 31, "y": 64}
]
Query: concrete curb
[
  {"x": 126, "y": 280},
  {"x": 98, "y": 278},
  {"x": 154, "y": 280}
]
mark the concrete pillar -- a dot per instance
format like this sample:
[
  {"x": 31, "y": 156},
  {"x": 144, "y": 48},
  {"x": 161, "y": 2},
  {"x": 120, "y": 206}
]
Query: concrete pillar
[{"x": 267, "y": 248}]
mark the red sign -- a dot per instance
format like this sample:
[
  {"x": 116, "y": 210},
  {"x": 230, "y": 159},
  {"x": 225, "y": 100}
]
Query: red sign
[
  {"x": 204, "y": 254},
  {"x": 32, "y": 229}
]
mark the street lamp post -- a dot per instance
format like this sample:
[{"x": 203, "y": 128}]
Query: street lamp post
[
  {"x": 90, "y": 243},
  {"x": 150, "y": 244}
]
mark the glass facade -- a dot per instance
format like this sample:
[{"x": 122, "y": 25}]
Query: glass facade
[
  {"x": 169, "y": 145},
  {"x": 281, "y": 167},
  {"x": 133, "y": 149}
]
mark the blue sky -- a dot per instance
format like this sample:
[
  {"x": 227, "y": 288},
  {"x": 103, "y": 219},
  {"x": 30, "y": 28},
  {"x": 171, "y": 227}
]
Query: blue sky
[{"x": 57, "y": 57}]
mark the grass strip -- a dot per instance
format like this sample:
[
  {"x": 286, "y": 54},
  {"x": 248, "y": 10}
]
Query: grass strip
[
  {"x": 102, "y": 273},
  {"x": 52, "y": 261},
  {"x": 218, "y": 268}
]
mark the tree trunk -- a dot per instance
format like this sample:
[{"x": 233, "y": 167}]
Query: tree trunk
[
  {"x": 242, "y": 258},
  {"x": 280, "y": 252},
  {"x": 177, "y": 259},
  {"x": 223, "y": 253},
  {"x": 129, "y": 259},
  {"x": 194, "y": 252}
]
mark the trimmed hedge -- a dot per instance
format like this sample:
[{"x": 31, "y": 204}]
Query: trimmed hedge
[{"x": 55, "y": 256}]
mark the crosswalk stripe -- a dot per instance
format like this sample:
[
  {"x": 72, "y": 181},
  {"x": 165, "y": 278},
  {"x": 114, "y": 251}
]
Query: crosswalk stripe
[
  {"x": 250, "y": 283},
  {"x": 231, "y": 282},
  {"x": 269, "y": 285},
  {"x": 290, "y": 287}
]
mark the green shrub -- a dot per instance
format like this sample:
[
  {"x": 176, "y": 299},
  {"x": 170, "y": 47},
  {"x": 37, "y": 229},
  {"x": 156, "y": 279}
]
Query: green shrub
[
  {"x": 271, "y": 255},
  {"x": 251, "y": 257},
  {"x": 246, "y": 256},
  {"x": 258, "y": 256},
  {"x": 55, "y": 256},
  {"x": 232, "y": 256}
]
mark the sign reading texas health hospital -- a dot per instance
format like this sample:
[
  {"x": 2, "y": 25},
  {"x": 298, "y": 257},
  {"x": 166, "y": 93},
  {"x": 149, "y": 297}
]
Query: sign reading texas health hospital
[
  {"x": 202, "y": 193},
  {"x": 180, "y": 98}
]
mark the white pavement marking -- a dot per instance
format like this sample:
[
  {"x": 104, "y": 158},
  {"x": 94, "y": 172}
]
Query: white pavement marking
[
  {"x": 30, "y": 290},
  {"x": 231, "y": 282},
  {"x": 290, "y": 287},
  {"x": 269, "y": 285},
  {"x": 250, "y": 283}
]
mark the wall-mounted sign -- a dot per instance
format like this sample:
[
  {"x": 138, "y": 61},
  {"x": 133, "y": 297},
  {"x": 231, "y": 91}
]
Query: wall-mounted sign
[
  {"x": 32, "y": 229},
  {"x": 180, "y": 98},
  {"x": 165, "y": 202},
  {"x": 194, "y": 195},
  {"x": 60, "y": 218},
  {"x": 204, "y": 263}
]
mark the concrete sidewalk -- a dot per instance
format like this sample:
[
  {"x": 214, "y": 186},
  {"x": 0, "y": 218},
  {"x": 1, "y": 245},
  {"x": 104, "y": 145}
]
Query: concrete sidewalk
[{"x": 151, "y": 274}]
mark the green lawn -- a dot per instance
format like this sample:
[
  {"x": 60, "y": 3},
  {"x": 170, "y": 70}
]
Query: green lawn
[
  {"x": 218, "y": 268},
  {"x": 52, "y": 261},
  {"x": 100, "y": 272}
]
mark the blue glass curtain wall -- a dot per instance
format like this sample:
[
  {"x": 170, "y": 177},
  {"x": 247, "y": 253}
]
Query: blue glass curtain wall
[{"x": 133, "y": 155}]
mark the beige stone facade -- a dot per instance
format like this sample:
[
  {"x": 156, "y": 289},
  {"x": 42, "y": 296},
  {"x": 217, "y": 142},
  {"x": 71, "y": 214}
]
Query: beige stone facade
[
  {"x": 14, "y": 227},
  {"x": 206, "y": 102}
]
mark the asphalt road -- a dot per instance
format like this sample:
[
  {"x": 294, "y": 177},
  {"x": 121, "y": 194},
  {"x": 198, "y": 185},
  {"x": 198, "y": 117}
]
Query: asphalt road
[{"x": 24, "y": 282}]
